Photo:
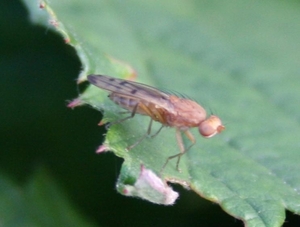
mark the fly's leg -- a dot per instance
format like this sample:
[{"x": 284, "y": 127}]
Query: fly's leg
[
  {"x": 123, "y": 119},
  {"x": 190, "y": 136},
  {"x": 158, "y": 131},
  {"x": 181, "y": 147},
  {"x": 125, "y": 112},
  {"x": 146, "y": 135},
  {"x": 131, "y": 116},
  {"x": 143, "y": 137}
]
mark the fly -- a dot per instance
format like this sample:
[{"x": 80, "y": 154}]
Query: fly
[{"x": 170, "y": 110}]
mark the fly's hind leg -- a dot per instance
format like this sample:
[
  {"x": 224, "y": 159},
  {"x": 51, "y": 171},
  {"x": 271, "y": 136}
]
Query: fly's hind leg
[
  {"x": 146, "y": 135},
  {"x": 123, "y": 119},
  {"x": 131, "y": 116},
  {"x": 190, "y": 136}
]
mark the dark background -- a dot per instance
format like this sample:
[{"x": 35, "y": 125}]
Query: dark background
[{"x": 38, "y": 73}]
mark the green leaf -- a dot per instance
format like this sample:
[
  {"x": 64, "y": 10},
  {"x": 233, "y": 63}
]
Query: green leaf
[
  {"x": 39, "y": 203},
  {"x": 240, "y": 59}
]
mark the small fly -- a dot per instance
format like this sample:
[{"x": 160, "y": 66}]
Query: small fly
[{"x": 170, "y": 110}]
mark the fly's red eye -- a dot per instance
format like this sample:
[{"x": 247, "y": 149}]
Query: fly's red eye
[{"x": 211, "y": 126}]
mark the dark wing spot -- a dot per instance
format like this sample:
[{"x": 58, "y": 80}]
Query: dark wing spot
[
  {"x": 123, "y": 83},
  {"x": 133, "y": 91},
  {"x": 111, "y": 79}
]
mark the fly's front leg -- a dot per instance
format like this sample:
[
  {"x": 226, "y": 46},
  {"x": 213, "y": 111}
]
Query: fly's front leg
[
  {"x": 181, "y": 146},
  {"x": 123, "y": 119},
  {"x": 190, "y": 136}
]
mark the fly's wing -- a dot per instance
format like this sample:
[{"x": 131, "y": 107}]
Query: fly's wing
[{"x": 132, "y": 89}]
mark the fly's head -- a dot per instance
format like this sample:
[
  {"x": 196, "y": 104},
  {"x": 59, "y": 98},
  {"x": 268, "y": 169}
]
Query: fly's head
[{"x": 211, "y": 126}]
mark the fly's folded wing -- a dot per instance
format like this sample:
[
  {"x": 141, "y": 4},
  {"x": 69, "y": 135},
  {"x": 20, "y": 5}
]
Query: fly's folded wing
[{"x": 132, "y": 89}]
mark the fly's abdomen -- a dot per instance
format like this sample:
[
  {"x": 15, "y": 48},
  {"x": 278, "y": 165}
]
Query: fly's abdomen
[{"x": 126, "y": 102}]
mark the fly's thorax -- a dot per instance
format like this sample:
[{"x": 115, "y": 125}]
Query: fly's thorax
[{"x": 187, "y": 113}]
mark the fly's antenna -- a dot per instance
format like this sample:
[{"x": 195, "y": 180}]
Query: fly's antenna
[{"x": 212, "y": 112}]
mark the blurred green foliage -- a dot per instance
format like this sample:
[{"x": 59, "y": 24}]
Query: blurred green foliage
[{"x": 38, "y": 76}]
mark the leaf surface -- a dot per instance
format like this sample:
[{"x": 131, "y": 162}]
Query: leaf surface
[{"x": 238, "y": 59}]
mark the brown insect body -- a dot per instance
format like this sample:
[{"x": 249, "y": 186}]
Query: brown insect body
[
  {"x": 186, "y": 113},
  {"x": 169, "y": 110},
  {"x": 142, "y": 107}
]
